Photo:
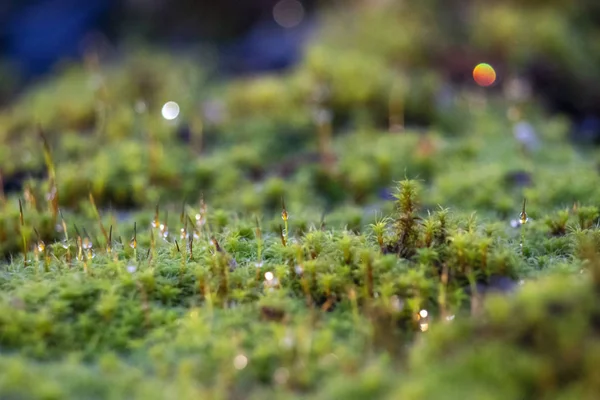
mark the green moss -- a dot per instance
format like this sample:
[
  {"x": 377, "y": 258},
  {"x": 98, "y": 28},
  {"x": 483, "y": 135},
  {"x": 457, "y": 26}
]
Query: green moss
[{"x": 371, "y": 288}]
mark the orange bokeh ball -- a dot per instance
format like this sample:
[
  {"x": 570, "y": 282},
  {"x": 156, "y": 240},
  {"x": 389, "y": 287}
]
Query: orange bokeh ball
[{"x": 484, "y": 74}]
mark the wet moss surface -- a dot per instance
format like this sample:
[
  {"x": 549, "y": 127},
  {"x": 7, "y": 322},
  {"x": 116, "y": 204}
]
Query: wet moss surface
[{"x": 341, "y": 230}]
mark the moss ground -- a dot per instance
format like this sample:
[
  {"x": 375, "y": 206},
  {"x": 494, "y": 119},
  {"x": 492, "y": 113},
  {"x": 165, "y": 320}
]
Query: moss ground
[{"x": 294, "y": 236}]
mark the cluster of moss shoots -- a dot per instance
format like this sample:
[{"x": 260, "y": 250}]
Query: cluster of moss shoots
[
  {"x": 229, "y": 308},
  {"x": 226, "y": 278}
]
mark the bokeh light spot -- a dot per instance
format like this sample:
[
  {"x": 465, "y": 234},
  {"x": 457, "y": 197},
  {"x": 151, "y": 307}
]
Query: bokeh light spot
[
  {"x": 288, "y": 13},
  {"x": 240, "y": 361},
  {"x": 484, "y": 74},
  {"x": 170, "y": 110}
]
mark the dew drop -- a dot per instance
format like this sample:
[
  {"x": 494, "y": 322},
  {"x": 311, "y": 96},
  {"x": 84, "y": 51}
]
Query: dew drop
[{"x": 170, "y": 110}]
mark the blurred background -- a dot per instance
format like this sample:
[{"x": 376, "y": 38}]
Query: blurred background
[
  {"x": 251, "y": 35},
  {"x": 554, "y": 44},
  {"x": 231, "y": 96}
]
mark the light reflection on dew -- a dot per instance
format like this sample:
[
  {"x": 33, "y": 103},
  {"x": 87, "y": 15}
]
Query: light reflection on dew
[
  {"x": 270, "y": 281},
  {"x": 423, "y": 324},
  {"x": 240, "y": 361},
  {"x": 170, "y": 110}
]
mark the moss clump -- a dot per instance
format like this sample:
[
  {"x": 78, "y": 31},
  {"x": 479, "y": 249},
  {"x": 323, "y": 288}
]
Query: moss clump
[
  {"x": 542, "y": 343},
  {"x": 257, "y": 247}
]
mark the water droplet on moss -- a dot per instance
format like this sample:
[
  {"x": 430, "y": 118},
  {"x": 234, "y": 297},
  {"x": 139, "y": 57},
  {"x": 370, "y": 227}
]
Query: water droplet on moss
[{"x": 240, "y": 361}]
